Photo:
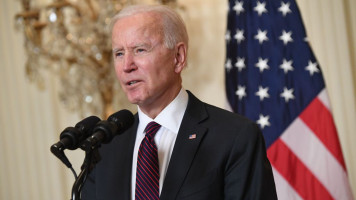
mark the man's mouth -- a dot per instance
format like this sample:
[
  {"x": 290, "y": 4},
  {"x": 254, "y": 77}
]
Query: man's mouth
[{"x": 132, "y": 82}]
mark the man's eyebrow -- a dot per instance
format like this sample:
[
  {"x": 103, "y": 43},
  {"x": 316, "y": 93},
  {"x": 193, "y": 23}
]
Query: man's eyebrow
[
  {"x": 146, "y": 45},
  {"x": 141, "y": 45},
  {"x": 117, "y": 49}
]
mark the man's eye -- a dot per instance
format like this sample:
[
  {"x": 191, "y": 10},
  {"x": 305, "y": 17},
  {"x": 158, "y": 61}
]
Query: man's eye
[
  {"x": 119, "y": 54},
  {"x": 140, "y": 50}
]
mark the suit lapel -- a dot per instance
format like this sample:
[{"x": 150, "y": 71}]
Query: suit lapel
[{"x": 188, "y": 139}]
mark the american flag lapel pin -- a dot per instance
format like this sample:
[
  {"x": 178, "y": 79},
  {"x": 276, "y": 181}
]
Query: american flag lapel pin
[{"x": 192, "y": 136}]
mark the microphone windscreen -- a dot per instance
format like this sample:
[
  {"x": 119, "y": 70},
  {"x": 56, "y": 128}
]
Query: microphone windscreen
[
  {"x": 123, "y": 119},
  {"x": 88, "y": 123},
  {"x": 81, "y": 131}
]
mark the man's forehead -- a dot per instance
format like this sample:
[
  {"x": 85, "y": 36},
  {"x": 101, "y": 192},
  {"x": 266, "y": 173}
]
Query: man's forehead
[{"x": 144, "y": 26}]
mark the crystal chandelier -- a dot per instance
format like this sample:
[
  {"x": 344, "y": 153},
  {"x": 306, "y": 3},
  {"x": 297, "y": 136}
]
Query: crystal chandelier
[{"x": 71, "y": 39}]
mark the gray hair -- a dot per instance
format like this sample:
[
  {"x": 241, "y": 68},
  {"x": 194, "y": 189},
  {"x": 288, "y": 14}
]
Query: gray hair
[{"x": 174, "y": 28}]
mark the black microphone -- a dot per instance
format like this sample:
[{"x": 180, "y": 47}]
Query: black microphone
[
  {"x": 105, "y": 130},
  {"x": 72, "y": 137}
]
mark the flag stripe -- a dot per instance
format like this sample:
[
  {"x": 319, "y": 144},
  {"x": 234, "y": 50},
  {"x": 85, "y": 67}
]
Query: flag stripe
[
  {"x": 296, "y": 173},
  {"x": 285, "y": 190},
  {"x": 315, "y": 156},
  {"x": 319, "y": 120}
]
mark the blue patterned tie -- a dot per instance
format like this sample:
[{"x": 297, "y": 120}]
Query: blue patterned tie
[{"x": 147, "y": 173}]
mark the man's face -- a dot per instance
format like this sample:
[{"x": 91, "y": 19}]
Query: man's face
[{"x": 144, "y": 66}]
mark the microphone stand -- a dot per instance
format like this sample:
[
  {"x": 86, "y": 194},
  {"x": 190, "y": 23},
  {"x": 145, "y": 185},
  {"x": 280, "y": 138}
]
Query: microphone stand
[{"x": 91, "y": 158}]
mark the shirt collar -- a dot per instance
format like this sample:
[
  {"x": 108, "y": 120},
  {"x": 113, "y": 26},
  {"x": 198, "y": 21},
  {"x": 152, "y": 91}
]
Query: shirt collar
[{"x": 170, "y": 117}]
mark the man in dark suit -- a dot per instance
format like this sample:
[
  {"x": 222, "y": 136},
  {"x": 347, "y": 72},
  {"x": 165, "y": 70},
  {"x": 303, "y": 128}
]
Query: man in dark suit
[{"x": 202, "y": 152}]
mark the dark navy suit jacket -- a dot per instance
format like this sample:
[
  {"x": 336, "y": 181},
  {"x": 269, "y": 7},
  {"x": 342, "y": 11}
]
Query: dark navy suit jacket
[{"x": 226, "y": 160}]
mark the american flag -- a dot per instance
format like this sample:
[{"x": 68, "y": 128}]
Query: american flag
[
  {"x": 273, "y": 78},
  {"x": 192, "y": 136}
]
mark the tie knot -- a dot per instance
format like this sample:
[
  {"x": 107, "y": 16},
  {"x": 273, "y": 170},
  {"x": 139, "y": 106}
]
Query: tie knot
[{"x": 151, "y": 129}]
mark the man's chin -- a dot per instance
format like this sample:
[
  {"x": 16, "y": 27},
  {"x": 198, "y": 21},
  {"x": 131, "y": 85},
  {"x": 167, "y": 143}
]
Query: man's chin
[{"x": 134, "y": 99}]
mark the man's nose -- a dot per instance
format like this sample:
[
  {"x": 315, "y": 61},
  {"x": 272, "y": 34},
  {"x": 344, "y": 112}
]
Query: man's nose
[{"x": 129, "y": 63}]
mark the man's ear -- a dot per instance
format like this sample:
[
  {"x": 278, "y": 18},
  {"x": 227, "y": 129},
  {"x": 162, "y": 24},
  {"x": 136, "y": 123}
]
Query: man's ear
[{"x": 180, "y": 57}]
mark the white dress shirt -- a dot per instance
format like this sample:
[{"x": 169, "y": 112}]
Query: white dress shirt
[{"x": 170, "y": 119}]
